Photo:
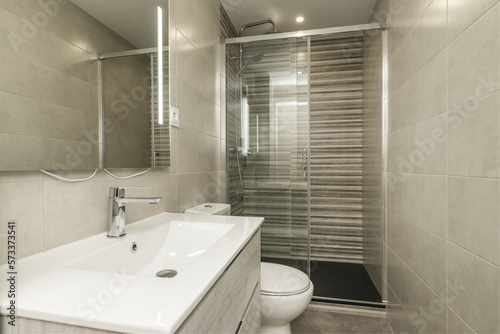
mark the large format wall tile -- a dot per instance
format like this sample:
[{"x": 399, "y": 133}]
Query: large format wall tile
[
  {"x": 425, "y": 255},
  {"x": 22, "y": 202},
  {"x": 421, "y": 97},
  {"x": 420, "y": 148},
  {"x": 426, "y": 309},
  {"x": 473, "y": 290},
  {"x": 424, "y": 41},
  {"x": 463, "y": 13},
  {"x": 473, "y": 216},
  {"x": 473, "y": 59},
  {"x": 474, "y": 138},
  {"x": 421, "y": 199}
]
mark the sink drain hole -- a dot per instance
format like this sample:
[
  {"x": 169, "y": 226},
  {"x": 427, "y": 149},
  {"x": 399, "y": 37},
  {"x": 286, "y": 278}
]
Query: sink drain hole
[{"x": 166, "y": 273}]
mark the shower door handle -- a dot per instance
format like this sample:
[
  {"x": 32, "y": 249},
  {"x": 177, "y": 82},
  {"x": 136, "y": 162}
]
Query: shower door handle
[{"x": 304, "y": 162}]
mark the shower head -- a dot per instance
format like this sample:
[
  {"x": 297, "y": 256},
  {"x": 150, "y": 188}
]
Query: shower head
[{"x": 255, "y": 59}]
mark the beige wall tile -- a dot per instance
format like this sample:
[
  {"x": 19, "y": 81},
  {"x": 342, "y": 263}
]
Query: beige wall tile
[
  {"x": 398, "y": 317},
  {"x": 427, "y": 309},
  {"x": 473, "y": 216},
  {"x": 456, "y": 325},
  {"x": 193, "y": 68},
  {"x": 423, "y": 251},
  {"x": 473, "y": 59},
  {"x": 25, "y": 116},
  {"x": 421, "y": 199},
  {"x": 420, "y": 148},
  {"x": 197, "y": 113},
  {"x": 405, "y": 15},
  {"x": 63, "y": 19},
  {"x": 80, "y": 208},
  {"x": 199, "y": 24},
  {"x": 421, "y": 97},
  {"x": 195, "y": 189},
  {"x": 462, "y": 14},
  {"x": 198, "y": 153},
  {"x": 474, "y": 138},
  {"x": 22, "y": 202},
  {"x": 20, "y": 176},
  {"x": 424, "y": 41},
  {"x": 473, "y": 290}
]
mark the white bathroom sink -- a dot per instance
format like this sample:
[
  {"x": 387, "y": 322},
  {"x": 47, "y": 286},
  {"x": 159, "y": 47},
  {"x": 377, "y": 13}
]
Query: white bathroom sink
[
  {"x": 100, "y": 283},
  {"x": 173, "y": 246}
]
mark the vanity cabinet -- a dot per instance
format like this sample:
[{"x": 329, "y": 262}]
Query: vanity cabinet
[{"x": 232, "y": 305}]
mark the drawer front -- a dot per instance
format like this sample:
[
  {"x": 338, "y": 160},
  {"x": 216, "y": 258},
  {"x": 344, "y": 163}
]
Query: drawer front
[
  {"x": 251, "y": 321},
  {"x": 223, "y": 307}
]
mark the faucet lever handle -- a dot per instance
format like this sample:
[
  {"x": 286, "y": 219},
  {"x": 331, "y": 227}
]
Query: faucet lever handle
[{"x": 118, "y": 192}]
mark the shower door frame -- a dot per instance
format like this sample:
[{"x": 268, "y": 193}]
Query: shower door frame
[{"x": 384, "y": 107}]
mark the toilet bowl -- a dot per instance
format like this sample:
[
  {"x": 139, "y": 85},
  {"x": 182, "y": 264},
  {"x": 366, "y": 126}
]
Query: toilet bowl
[{"x": 285, "y": 293}]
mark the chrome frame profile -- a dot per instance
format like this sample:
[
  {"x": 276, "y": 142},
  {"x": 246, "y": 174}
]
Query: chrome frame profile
[
  {"x": 129, "y": 53},
  {"x": 304, "y": 33}
]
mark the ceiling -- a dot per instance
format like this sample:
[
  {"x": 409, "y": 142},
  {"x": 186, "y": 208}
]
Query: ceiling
[
  {"x": 317, "y": 13},
  {"x": 134, "y": 20}
]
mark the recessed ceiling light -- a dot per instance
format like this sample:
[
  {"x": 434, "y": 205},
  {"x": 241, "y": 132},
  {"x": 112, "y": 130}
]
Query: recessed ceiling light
[{"x": 300, "y": 19}]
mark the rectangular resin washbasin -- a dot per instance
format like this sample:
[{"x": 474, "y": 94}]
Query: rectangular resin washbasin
[
  {"x": 110, "y": 284},
  {"x": 172, "y": 246}
]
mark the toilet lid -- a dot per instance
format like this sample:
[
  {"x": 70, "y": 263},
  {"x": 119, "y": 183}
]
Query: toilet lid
[{"x": 278, "y": 279}]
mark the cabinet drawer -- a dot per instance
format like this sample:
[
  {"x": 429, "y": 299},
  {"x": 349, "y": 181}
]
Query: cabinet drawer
[
  {"x": 251, "y": 321},
  {"x": 223, "y": 307}
]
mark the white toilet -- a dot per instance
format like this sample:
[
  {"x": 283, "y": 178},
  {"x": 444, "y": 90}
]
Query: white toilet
[{"x": 285, "y": 292}]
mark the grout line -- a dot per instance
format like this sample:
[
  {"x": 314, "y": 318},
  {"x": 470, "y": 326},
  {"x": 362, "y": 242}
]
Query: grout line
[
  {"x": 485, "y": 178},
  {"x": 443, "y": 238}
]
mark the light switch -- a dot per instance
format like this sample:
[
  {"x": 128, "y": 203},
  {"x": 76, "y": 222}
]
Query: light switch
[{"x": 174, "y": 116}]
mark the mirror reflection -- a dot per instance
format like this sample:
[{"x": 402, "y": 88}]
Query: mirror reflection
[
  {"x": 133, "y": 135},
  {"x": 50, "y": 112}
]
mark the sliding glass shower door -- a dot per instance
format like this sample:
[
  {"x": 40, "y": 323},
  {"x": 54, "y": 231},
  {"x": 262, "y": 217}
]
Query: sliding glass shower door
[
  {"x": 267, "y": 143},
  {"x": 303, "y": 151}
]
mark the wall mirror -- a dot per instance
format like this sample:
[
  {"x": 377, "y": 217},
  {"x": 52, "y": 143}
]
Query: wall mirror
[{"x": 80, "y": 84}]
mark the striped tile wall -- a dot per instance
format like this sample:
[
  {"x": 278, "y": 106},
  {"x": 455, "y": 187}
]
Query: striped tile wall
[
  {"x": 273, "y": 181},
  {"x": 336, "y": 100}
]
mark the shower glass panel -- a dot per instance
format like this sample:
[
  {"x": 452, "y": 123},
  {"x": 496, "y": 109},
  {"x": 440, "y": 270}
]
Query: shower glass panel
[
  {"x": 267, "y": 138},
  {"x": 313, "y": 102}
]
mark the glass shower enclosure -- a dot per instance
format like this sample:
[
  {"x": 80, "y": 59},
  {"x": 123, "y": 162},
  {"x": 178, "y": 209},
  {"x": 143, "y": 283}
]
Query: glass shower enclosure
[{"x": 295, "y": 153}]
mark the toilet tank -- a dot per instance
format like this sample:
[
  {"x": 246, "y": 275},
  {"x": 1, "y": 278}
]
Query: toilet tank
[{"x": 219, "y": 209}]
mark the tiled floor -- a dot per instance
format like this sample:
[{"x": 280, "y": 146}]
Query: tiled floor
[{"x": 326, "y": 322}]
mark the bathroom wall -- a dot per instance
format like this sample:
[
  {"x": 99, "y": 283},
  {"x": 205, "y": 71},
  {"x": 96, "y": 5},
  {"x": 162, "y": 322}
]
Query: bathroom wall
[
  {"x": 51, "y": 213},
  {"x": 442, "y": 213}
]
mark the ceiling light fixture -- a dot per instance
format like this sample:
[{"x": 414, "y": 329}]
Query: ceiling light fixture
[{"x": 299, "y": 19}]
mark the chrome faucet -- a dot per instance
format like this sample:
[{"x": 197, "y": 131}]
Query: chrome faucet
[{"x": 116, "y": 209}]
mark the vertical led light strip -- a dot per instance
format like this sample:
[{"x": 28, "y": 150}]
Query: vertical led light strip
[{"x": 160, "y": 66}]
